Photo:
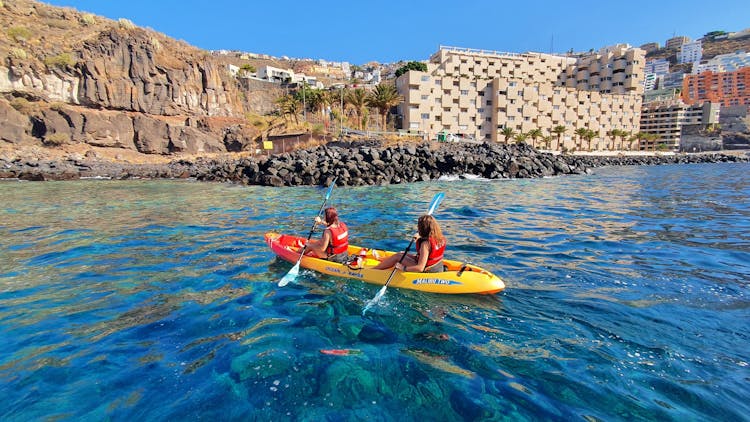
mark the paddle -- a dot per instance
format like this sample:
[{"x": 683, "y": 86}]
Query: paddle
[
  {"x": 292, "y": 274},
  {"x": 433, "y": 206}
]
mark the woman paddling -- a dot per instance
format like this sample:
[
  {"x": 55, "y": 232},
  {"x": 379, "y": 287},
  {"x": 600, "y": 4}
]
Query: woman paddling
[
  {"x": 430, "y": 249},
  {"x": 334, "y": 243}
]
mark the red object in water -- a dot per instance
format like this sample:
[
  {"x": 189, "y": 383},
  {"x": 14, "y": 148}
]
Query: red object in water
[{"x": 338, "y": 352}]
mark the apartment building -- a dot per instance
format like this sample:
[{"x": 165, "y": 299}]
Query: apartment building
[
  {"x": 652, "y": 72},
  {"x": 676, "y": 42},
  {"x": 478, "y": 93},
  {"x": 723, "y": 63},
  {"x": 650, "y": 46},
  {"x": 726, "y": 88},
  {"x": 670, "y": 118},
  {"x": 691, "y": 52}
]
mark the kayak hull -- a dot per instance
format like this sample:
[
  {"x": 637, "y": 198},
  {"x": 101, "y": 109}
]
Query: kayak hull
[{"x": 470, "y": 280}]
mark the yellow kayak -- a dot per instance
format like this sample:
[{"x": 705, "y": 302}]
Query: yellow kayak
[{"x": 459, "y": 277}]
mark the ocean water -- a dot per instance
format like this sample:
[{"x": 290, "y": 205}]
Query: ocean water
[{"x": 627, "y": 299}]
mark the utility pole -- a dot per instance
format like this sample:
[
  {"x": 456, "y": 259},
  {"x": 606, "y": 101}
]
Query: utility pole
[
  {"x": 304, "y": 104},
  {"x": 341, "y": 118}
]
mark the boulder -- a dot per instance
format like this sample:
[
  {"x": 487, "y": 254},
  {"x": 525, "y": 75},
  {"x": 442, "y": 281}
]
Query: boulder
[{"x": 14, "y": 126}]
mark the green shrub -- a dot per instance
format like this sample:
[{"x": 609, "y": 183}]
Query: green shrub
[
  {"x": 88, "y": 19},
  {"x": 18, "y": 53},
  {"x": 126, "y": 23},
  {"x": 318, "y": 130},
  {"x": 19, "y": 33},
  {"x": 61, "y": 60},
  {"x": 155, "y": 44},
  {"x": 57, "y": 106},
  {"x": 56, "y": 139},
  {"x": 22, "y": 105}
]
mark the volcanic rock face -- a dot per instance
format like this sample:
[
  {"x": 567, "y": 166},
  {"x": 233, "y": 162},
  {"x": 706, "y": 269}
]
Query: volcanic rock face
[
  {"x": 114, "y": 85},
  {"x": 126, "y": 70}
]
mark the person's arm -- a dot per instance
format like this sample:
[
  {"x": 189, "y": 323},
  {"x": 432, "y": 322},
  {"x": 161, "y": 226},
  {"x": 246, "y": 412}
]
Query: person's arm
[{"x": 424, "y": 252}]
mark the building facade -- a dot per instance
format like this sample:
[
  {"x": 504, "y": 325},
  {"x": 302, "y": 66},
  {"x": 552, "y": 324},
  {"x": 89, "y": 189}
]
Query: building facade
[
  {"x": 726, "y": 88},
  {"x": 669, "y": 118},
  {"x": 650, "y": 46},
  {"x": 676, "y": 42},
  {"x": 691, "y": 52},
  {"x": 478, "y": 93},
  {"x": 723, "y": 63}
]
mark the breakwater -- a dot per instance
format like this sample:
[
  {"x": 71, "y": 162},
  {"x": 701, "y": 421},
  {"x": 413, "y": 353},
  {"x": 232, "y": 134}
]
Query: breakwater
[{"x": 354, "y": 163}]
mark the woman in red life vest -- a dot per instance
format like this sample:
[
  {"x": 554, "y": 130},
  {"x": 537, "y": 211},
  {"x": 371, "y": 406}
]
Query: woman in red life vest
[
  {"x": 430, "y": 249},
  {"x": 334, "y": 243}
]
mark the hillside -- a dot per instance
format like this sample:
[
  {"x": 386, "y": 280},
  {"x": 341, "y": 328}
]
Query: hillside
[
  {"x": 69, "y": 78},
  {"x": 711, "y": 48}
]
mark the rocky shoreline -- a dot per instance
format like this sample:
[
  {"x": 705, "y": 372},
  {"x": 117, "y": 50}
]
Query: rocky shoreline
[{"x": 355, "y": 163}]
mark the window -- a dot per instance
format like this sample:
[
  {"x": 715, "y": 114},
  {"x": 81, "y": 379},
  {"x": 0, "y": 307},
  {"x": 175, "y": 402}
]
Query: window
[
  {"x": 424, "y": 97},
  {"x": 464, "y": 92},
  {"x": 437, "y": 81},
  {"x": 511, "y": 84},
  {"x": 489, "y": 102},
  {"x": 502, "y": 92},
  {"x": 425, "y": 78},
  {"x": 425, "y": 116}
]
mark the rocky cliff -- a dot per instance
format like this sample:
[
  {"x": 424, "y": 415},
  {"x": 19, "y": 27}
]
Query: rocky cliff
[{"x": 68, "y": 77}]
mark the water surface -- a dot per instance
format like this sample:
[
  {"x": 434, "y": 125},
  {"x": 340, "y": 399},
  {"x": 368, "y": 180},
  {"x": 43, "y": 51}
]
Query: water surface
[{"x": 627, "y": 299}]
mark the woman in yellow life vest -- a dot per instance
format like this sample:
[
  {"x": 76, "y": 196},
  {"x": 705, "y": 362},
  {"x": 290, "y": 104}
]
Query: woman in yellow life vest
[{"x": 334, "y": 243}]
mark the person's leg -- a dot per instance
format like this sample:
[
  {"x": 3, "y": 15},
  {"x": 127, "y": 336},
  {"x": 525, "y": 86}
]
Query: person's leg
[
  {"x": 389, "y": 262},
  {"x": 393, "y": 259}
]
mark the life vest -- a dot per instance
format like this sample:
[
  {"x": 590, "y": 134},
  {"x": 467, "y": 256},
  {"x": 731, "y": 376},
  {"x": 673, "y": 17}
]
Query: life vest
[
  {"x": 339, "y": 239},
  {"x": 437, "y": 250}
]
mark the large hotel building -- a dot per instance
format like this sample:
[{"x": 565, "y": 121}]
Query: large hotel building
[{"x": 477, "y": 93}]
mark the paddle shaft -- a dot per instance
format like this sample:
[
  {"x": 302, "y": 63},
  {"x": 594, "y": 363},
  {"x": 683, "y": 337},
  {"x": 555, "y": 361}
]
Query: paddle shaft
[
  {"x": 399, "y": 261},
  {"x": 315, "y": 223},
  {"x": 433, "y": 206}
]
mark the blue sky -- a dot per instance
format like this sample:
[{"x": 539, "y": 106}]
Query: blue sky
[{"x": 389, "y": 31}]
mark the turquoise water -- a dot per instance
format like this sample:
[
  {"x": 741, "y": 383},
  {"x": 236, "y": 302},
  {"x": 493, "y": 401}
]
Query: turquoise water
[{"x": 627, "y": 299}]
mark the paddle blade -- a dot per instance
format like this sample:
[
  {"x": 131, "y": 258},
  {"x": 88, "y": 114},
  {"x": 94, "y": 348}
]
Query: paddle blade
[
  {"x": 372, "y": 302},
  {"x": 290, "y": 276},
  {"x": 330, "y": 189},
  {"x": 435, "y": 202}
]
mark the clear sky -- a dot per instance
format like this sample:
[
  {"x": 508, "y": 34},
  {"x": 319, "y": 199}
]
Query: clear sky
[{"x": 389, "y": 31}]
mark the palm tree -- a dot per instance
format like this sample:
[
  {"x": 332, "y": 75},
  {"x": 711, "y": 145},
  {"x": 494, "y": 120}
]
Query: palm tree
[
  {"x": 614, "y": 133},
  {"x": 288, "y": 106},
  {"x": 623, "y": 134},
  {"x": 383, "y": 97},
  {"x": 640, "y": 136},
  {"x": 559, "y": 131},
  {"x": 508, "y": 133},
  {"x": 547, "y": 141},
  {"x": 581, "y": 133},
  {"x": 521, "y": 138},
  {"x": 533, "y": 134},
  {"x": 589, "y": 136},
  {"x": 358, "y": 100}
]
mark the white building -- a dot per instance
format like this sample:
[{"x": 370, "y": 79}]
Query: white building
[
  {"x": 690, "y": 52},
  {"x": 275, "y": 74},
  {"x": 723, "y": 63}
]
